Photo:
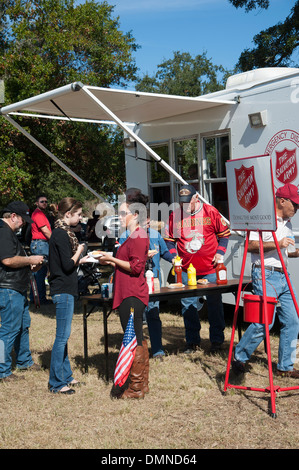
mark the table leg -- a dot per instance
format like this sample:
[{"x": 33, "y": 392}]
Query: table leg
[
  {"x": 85, "y": 338},
  {"x": 105, "y": 322}
]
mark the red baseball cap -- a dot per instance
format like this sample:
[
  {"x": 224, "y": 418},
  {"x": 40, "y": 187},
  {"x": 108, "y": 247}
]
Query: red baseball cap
[{"x": 289, "y": 191}]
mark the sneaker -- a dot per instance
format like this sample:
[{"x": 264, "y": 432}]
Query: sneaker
[
  {"x": 191, "y": 347},
  {"x": 294, "y": 373},
  {"x": 238, "y": 367}
]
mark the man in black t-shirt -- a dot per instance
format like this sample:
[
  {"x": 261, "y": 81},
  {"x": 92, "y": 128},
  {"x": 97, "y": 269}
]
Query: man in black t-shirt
[{"x": 15, "y": 269}]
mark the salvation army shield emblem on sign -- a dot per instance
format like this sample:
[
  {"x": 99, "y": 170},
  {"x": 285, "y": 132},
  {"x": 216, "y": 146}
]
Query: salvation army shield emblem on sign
[
  {"x": 286, "y": 165},
  {"x": 246, "y": 187}
]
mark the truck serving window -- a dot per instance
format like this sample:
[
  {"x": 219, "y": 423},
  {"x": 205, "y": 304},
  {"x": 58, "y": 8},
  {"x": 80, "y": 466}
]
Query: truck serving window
[
  {"x": 215, "y": 152},
  {"x": 158, "y": 177}
]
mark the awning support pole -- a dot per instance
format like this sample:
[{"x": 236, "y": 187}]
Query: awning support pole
[
  {"x": 134, "y": 136},
  {"x": 148, "y": 149},
  {"x": 51, "y": 155}
]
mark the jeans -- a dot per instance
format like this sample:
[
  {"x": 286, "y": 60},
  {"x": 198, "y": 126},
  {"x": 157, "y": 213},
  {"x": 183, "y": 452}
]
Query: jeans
[
  {"x": 276, "y": 286},
  {"x": 14, "y": 331},
  {"x": 60, "y": 368},
  {"x": 40, "y": 247},
  {"x": 154, "y": 328},
  {"x": 190, "y": 307}
]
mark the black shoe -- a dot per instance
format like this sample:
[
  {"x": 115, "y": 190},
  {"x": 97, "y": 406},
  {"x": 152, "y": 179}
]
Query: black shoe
[
  {"x": 46, "y": 302},
  {"x": 75, "y": 384},
  {"x": 215, "y": 347},
  {"x": 238, "y": 367},
  {"x": 294, "y": 373},
  {"x": 35, "y": 367},
  {"x": 159, "y": 357},
  {"x": 11, "y": 378},
  {"x": 191, "y": 347},
  {"x": 69, "y": 391}
]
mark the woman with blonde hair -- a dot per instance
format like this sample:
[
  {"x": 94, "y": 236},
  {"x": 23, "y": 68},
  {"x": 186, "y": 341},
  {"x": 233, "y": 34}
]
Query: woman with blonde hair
[{"x": 64, "y": 256}]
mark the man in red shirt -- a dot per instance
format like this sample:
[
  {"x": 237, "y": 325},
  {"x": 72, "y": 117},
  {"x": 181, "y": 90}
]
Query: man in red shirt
[
  {"x": 41, "y": 233},
  {"x": 199, "y": 234}
]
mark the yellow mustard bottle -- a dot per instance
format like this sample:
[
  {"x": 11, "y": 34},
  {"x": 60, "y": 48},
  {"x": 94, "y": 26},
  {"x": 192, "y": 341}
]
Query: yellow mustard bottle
[{"x": 191, "y": 273}]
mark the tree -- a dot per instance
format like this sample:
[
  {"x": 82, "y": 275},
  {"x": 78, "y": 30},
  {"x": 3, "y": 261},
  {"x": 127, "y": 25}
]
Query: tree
[
  {"x": 274, "y": 46},
  {"x": 185, "y": 75},
  {"x": 47, "y": 44}
]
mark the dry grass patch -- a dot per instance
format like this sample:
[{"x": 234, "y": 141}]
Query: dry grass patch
[{"x": 185, "y": 409}]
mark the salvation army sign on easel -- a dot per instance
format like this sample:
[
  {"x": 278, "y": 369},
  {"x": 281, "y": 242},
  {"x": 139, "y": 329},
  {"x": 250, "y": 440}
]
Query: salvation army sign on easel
[{"x": 251, "y": 194}]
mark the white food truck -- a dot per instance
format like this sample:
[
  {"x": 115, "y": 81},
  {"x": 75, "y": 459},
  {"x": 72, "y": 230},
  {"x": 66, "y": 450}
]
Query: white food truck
[
  {"x": 170, "y": 140},
  {"x": 261, "y": 119}
]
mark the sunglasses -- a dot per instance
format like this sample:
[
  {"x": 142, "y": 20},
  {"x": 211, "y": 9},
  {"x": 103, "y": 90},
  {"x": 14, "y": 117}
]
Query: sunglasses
[{"x": 43, "y": 202}]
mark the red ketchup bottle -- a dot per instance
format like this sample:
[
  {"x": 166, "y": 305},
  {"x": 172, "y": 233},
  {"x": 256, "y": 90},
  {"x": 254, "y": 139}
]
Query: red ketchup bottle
[
  {"x": 221, "y": 272},
  {"x": 178, "y": 270}
]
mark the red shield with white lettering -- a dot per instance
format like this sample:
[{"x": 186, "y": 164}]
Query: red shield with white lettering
[
  {"x": 286, "y": 165},
  {"x": 246, "y": 187}
]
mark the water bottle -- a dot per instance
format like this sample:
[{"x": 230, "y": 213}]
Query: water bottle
[
  {"x": 291, "y": 248},
  {"x": 149, "y": 275}
]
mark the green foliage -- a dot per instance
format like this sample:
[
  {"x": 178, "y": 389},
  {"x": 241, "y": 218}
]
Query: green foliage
[
  {"x": 250, "y": 4},
  {"x": 185, "y": 75},
  {"x": 275, "y": 46},
  {"x": 47, "y": 44}
]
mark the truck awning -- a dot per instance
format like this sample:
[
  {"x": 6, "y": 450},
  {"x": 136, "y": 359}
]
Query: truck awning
[
  {"x": 128, "y": 106},
  {"x": 78, "y": 102}
]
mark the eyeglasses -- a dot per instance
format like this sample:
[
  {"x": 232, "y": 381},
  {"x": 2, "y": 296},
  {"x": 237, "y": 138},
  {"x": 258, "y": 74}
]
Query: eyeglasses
[
  {"x": 43, "y": 202},
  {"x": 124, "y": 213}
]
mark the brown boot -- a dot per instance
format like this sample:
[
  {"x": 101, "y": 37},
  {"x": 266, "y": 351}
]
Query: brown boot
[
  {"x": 135, "y": 389},
  {"x": 146, "y": 367}
]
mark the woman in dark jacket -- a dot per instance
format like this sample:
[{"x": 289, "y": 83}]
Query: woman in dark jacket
[{"x": 64, "y": 256}]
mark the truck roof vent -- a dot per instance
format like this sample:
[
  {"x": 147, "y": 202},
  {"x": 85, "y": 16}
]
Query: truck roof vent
[{"x": 253, "y": 77}]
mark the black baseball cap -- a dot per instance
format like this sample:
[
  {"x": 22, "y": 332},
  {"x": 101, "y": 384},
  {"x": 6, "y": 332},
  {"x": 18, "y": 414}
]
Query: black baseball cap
[
  {"x": 19, "y": 208},
  {"x": 186, "y": 193}
]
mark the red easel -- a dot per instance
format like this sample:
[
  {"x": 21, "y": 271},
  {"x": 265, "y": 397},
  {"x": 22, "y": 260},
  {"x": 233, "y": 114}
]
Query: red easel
[{"x": 272, "y": 389}]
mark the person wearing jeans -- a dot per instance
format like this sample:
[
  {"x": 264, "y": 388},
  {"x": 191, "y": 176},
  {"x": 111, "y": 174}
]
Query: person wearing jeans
[
  {"x": 40, "y": 247},
  {"x": 60, "y": 369},
  {"x": 199, "y": 234},
  {"x": 276, "y": 286},
  {"x": 192, "y": 305},
  {"x": 15, "y": 268},
  {"x": 287, "y": 202},
  {"x": 64, "y": 256},
  {"x": 16, "y": 322}
]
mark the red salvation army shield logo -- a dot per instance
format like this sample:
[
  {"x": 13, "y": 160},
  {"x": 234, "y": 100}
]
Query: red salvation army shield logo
[
  {"x": 286, "y": 165},
  {"x": 246, "y": 187}
]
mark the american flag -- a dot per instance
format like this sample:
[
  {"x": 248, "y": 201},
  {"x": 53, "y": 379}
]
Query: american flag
[{"x": 126, "y": 354}]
